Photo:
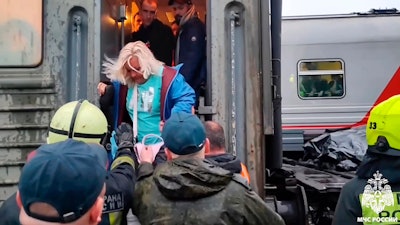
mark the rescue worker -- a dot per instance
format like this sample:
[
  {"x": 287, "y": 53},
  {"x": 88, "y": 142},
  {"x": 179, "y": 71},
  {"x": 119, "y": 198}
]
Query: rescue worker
[
  {"x": 63, "y": 183},
  {"x": 187, "y": 189},
  {"x": 83, "y": 121},
  {"x": 372, "y": 197},
  {"x": 217, "y": 152}
]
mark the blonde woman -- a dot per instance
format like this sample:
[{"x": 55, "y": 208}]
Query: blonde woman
[{"x": 154, "y": 90}]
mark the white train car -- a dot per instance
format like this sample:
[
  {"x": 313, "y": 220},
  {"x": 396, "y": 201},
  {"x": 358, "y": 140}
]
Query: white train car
[{"x": 335, "y": 68}]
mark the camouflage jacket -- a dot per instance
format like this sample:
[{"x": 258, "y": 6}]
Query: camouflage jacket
[{"x": 194, "y": 191}]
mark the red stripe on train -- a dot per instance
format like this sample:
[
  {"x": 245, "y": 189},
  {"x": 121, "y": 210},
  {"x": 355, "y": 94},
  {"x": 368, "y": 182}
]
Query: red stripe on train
[
  {"x": 392, "y": 88},
  {"x": 318, "y": 127}
]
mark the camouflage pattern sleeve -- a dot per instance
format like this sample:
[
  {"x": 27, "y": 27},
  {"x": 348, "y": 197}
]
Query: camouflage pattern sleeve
[
  {"x": 142, "y": 188},
  {"x": 257, "y": 211},
  {"x": 145, "y": 169}
]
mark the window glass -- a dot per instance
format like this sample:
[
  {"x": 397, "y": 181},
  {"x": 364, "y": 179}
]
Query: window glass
[
  {"x": 20, "y": 33},
  {"x": 318, "y": 65},
  {"x": 321, "y": 79}
]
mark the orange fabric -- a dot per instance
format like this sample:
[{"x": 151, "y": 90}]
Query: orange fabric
[{"x": 245, "y": 172}]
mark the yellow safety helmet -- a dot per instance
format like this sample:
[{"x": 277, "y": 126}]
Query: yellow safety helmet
[
  {"x": 383, "y": 127},
  {"x": 79, "y": 120}
]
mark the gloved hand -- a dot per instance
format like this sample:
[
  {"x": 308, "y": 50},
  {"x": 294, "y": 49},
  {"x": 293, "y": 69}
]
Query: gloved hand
[{"x": 124, "y": 136}]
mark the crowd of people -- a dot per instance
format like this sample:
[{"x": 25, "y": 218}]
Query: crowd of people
[
  {"x": 152, "y": 156},
  {"x": 180, "y": 45},
  {"x": 72, "y": 179}
]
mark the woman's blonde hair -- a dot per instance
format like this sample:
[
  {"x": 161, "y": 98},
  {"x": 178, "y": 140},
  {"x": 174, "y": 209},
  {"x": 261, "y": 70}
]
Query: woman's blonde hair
[{"x": 115, "y": 71}]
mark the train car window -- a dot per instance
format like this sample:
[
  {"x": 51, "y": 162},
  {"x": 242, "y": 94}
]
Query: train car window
[
  {"x": 20, "y": 33},
  {"x": 321, "y": 79}
]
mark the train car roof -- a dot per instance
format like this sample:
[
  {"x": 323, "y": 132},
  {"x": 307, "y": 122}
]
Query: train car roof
[
  {"x": 341, "y": 28},
  {"x": 370, "y": 13}
]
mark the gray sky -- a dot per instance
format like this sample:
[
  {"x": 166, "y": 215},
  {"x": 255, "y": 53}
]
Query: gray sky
[{"x": 318, "y": 7}]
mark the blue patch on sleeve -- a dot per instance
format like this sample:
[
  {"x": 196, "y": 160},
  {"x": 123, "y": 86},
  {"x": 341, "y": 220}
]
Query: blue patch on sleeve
[{"x": 114, "y": 146}]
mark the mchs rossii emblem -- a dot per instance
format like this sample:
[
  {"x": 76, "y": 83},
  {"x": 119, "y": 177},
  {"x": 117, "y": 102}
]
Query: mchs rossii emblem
[{"x": 377, "y": 193}]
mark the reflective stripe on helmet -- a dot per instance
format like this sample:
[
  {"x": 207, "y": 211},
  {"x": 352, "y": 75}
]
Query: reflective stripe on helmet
[
  {"x": 81, "y": 135},
  {"x": 80, "y": 120},
  {"x": 74, "y": 115}
]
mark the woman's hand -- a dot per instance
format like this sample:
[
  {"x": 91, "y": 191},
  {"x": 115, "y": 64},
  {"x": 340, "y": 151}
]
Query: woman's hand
[{"x": 101, "y": 88}]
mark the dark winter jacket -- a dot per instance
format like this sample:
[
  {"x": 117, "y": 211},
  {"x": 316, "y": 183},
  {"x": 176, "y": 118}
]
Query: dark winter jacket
[
  {"x": 9, "y": 211},
  {"x": 226, "y": 161},
  {"x": 159, "y": 38},
  {"x": 194, "y": 191},
  {"x": 192, "y": 52},
  {"x": 117, "y": 201},
  {"x": 119, "y": 185},
  {"x": 349, "y": 205}
]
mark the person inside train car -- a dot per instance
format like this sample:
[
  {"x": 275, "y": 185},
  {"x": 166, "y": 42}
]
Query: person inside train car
[
  {"x": 155, "y": 90},
  {"x": 175, "y": 31},
  {"x": 336, "y": 85},
  {"x": 191, "y": 44},
  {"x": 83, "y": 121},
  {"x": 137, "y": 22},
  {"x": 156, "y": 35},
  {"x": 217, "y": 152},
  {"x": 161, "y": 41},
  {"x": 64, "y": 183},
  {"x": 372, "y": 197},
  {"x": 188, "y": 189}
]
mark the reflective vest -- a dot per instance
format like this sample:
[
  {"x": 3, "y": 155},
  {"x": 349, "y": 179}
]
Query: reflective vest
[{"x": 389, "y": 214}]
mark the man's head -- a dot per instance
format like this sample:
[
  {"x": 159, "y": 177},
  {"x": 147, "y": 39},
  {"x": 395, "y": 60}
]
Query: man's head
[
  {"x": 383, "y": 127},
  {"x": 216, "y": 136},
  {"x": 180, "y": 8},
  {"x": 63, "y": 183},
  {"x": 148, "y": 10},
  {"x": 137, "y": 21},
  {"x": 79, "y": 120},
  {"x": 184, "y": 135},
  {"x": 135, "y": 64}
]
